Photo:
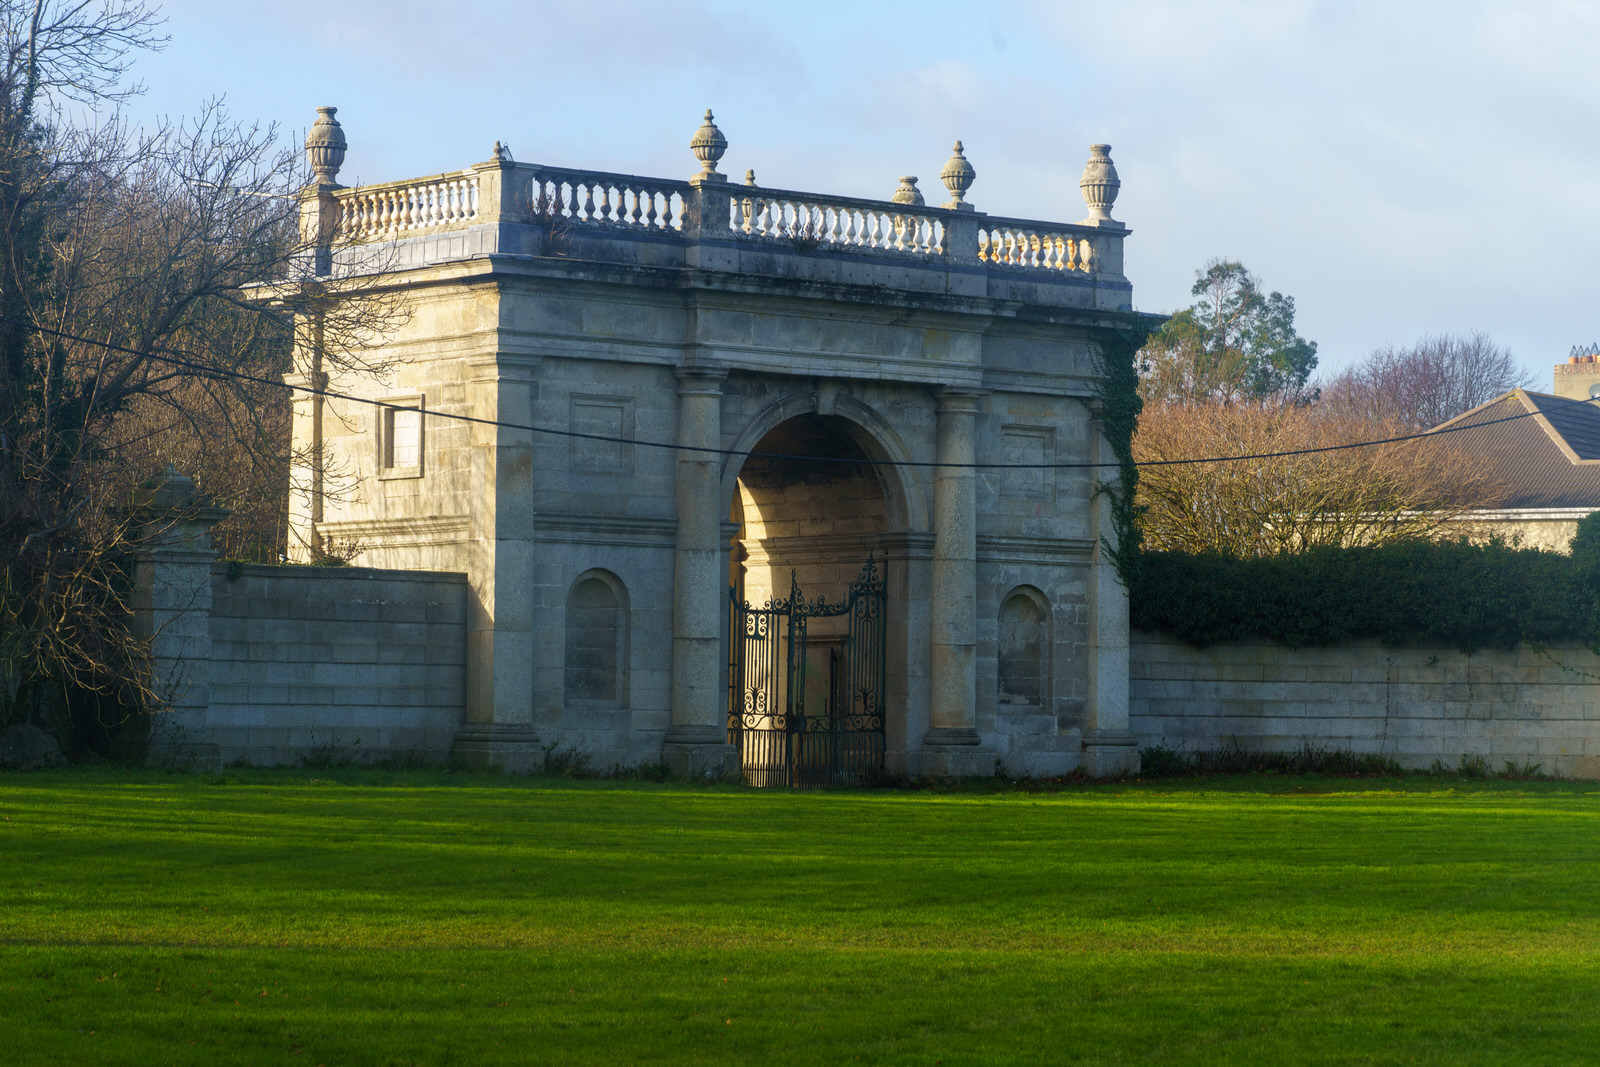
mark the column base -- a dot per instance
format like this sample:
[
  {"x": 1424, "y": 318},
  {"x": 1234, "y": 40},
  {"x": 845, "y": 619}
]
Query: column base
[
  {"x": 955, "y": 752},
  {"x": 699, "y": 752},
  {"x": 1110, "y": 753},
  {"x": 487, "y": 746}
]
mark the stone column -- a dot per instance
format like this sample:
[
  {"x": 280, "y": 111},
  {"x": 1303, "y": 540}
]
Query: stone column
[
  {"x": 696, "y": 743},
  {"x": 1109, "y": 749},
  {"x": 950, "y": 747},
  {"x": 172, "y": 601}
]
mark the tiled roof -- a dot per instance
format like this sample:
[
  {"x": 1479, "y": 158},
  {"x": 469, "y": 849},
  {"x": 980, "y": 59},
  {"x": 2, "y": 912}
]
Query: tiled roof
[{"x": 1550, "y": 458}]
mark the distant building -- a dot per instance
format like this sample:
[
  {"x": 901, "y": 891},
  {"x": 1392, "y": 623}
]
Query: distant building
[
  {"x": 1549, "y": 457},
  {"x": 1579, "y": 376}
]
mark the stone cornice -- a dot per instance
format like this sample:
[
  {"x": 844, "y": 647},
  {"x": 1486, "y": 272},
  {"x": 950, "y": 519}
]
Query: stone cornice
[
  {"x": 840, "y": 548},
  {"x": 1003, "y": 548},
  {"x": 603, "y": 529},
  {"x": 433, "y": 530}
]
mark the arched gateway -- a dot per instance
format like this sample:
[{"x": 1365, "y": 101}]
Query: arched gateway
[{"x": 751, "y": 530}]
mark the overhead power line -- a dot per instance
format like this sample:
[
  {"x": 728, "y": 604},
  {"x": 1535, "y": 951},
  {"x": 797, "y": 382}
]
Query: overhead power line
[{"x": 218, "y": 372}]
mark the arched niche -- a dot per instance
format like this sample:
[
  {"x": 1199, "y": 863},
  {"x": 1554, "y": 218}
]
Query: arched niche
[
  {"x": 1023, "y": 649},
  {"x": 596, "y": 672}
]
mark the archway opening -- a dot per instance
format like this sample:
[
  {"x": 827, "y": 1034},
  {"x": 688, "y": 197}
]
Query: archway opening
[
  {"x": 807, "y": 637},
  {"x": 818, "y": 516}
]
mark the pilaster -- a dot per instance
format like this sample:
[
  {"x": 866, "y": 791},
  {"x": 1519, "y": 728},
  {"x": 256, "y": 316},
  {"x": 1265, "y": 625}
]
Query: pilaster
[
  {"x": 499, "y": 729},
  {"x": 696, "y": 742},
  {"x": 1109, "y": 749}
]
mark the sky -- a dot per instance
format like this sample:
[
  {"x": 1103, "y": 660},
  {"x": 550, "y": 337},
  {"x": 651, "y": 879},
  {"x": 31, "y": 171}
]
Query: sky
[{"x": 1399, "y": 168}]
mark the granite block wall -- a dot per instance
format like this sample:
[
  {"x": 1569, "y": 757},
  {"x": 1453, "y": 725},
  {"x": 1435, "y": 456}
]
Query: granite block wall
[
  {"x": 326, "y": 663},
  {"x": 1417, "y": 704}
]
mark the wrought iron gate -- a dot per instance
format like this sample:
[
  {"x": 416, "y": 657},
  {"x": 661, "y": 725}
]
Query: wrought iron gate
[{"x": 804, "y": 710}]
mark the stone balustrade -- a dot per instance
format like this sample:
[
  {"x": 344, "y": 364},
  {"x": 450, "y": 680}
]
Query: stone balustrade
[
  {"x": 844, "y": 222},
  {"x": 591, "y": 196},
  {"x": 397, "y": 208},
  {"x": 1035, "y": 245},
  {"x": 502, "y": 192}
]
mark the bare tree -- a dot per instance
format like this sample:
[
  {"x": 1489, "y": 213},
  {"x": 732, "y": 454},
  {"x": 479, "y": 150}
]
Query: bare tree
[
  {"x": 1433, "y": 380},
  {"x": 1288, "y": 503},
  {"x": 149, "y": 281}
]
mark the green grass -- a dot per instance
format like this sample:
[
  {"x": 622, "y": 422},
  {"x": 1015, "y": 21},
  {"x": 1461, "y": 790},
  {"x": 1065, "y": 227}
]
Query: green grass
[{"x": 355, "y": 917}]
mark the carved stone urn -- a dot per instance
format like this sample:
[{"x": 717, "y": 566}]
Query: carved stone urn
[
  {"x": 1100, "y": 183},
  {"x": 708, "y": 145},
  {"x": 958, "y": 176},
  {"x": 325, "y": 145},
  {"x": 908, "y": 193}
]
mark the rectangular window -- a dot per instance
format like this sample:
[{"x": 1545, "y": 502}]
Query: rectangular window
[
  {"x": 400, "y": 438},
  {"x": 405, "y": 438}
]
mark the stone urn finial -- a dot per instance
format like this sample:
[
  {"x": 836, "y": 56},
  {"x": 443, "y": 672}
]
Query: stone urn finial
[
  {"x": 908, "y": 193},
  {"x": 325, "y": 145},
  {"x": 1100, "y": 183},
  {"x": 957, "y": 177},
  {"x": 750, "y": 176},
  {"x": 164, "y": 490},
  {"x": 708, "y": 145}
]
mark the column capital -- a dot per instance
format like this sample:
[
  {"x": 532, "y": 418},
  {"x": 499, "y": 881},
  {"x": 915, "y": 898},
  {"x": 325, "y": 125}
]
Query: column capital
[
  {"x": 700, "y": 379},
  {"x": 960, "y": 399},
  {"x": 503, "y": 366}
]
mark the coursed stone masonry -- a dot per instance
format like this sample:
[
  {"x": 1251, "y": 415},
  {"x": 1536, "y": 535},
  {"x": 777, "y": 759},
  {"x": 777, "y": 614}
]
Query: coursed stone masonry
[
  {"x": 707, "y": 314},
  {"x": 1417, "y": 704}
]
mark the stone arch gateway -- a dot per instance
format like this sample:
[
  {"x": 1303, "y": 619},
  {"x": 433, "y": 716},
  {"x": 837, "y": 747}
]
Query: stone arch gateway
[{"x": 687, "y": 385}]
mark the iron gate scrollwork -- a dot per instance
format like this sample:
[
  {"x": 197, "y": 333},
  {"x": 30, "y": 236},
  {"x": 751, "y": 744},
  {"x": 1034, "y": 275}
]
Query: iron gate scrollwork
[{"x": 806, "y": 709}]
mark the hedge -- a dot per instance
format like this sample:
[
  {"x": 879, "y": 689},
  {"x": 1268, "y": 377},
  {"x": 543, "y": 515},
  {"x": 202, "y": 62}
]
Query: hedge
[{"x": 1466, "y": 596}]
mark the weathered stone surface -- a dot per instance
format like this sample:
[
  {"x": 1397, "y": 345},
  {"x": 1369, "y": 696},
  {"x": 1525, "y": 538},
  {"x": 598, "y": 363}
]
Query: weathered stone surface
[
  {"x": 1415, "y": 704},
  {"x": 654, "y": 355}
]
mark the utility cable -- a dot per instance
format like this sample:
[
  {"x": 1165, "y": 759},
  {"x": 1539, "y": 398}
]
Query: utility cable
[{"x": 218, "y": 372}]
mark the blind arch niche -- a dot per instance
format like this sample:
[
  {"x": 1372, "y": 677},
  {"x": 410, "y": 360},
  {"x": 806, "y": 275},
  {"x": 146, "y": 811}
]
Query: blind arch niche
[{"x": 597, "y": 640}]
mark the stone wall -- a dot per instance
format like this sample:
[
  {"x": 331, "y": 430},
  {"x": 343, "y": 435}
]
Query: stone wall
[
  {"x": 319, "y": 663},
  {"x": 1416, "y": 704}
]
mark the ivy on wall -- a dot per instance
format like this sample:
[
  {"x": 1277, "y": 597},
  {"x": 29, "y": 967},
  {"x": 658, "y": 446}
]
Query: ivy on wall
[
  {"x": 1118, "y": 412},
  {"x": 1465, "y": 596}
]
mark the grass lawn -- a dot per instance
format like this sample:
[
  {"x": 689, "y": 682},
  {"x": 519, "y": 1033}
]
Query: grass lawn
[{"x": 357, "y": 917}]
